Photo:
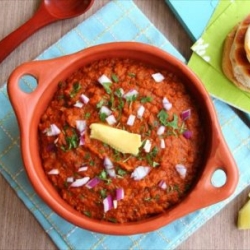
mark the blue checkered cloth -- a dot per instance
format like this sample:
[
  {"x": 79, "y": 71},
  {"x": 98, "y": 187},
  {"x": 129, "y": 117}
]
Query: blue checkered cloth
[{"x": 101, "y": 28}]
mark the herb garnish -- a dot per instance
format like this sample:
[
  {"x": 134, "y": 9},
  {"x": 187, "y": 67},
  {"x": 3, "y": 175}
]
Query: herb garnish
[
  {"x": 146, "y": 99},
  {"x": 115, "y": 77},
  {"x": 106, "y": 86},
  {"x": 104, "y": 176},
  {"x": 76, "y": 88},
  {"x": 103, "y": 116}
]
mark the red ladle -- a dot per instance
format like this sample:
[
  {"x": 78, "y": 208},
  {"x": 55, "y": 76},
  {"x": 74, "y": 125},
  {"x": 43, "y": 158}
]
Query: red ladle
[{"x": 49, "y": 11}]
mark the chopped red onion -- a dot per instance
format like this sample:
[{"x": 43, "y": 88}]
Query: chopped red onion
[
  {"x": 53, "y": 171},
  {"x": 161, "y": 130},
  {"x": 162, "y": 184},
  {"x": 80, "y": 182},
  {"x": 51, "y": 147},
  {"x": 81, "y": 126},
  {"x": 163, "y": 145},
  {"x": 70, "y": 179},
  {"x": 119, "y": 194},
  {"x": 132, "y": 92},
  {"x": 107, "y": 203},
  {"x": 111, "y": 120},
  {"x": 105, "y": 110},
  {"x": 131, "y": 120},
  {"x": 93, "y": 182},
  {"x": 84, "y": 98},
  {"x": 185, "y": 114},
  {"x": 78, "y": 104},
  {"x": 140, "y": 172},
  {"x": 104, "y": 79},
  {"x": 147, "y": 146},
  {"x": 181, "y": 169},
  {"x": 140, "y": 111},
  {"x": 187, "y": 134},
  {"x": 111, "y": 172},
  {"x": 158, "y": 77},
  {"x": 166, "y": 104},
  {"x": 115, "y": 203},
  {"x": 82, "y": 140},
  {"x": 52, "y": 130},
  {"x": 108, "y": 164},
  {"x": 83, "y": 168}
]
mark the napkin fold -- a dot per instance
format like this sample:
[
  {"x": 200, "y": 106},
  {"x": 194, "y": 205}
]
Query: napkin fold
[
  {"x": 127, "y": 23},
  {"x": 207, "y": 59}
]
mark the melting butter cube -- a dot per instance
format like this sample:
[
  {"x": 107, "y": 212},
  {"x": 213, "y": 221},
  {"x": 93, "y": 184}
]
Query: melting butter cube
[{"x": 121, "y": 140}]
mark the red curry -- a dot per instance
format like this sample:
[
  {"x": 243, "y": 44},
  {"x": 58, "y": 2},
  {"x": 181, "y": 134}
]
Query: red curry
[{"x": 101, "y": 182}]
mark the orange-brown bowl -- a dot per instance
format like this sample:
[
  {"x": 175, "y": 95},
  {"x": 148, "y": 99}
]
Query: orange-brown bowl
[{"x": 30, "y": 106}]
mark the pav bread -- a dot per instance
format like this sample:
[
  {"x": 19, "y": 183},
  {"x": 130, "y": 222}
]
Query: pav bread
[{"x": 236, "y": 55}]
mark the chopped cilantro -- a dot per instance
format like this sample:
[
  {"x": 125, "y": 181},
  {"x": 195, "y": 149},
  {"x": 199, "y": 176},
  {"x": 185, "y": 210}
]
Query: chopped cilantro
[
  {"x": 115, "y": 77},
  {"x": 103, "y": 116},
  {"x": 103, "y": 193},
  {"x": 87, "y": 115},
  {"x": 106, "y": 86},
  {"x": 87, "y": 213},
  {"x": 131, "y": 74},
  {"x": 76, "y": 88},
  {"x": 100, "y": 103},
  {"x": 163, "y": 116},
  {"x": 146, "y": 99}
]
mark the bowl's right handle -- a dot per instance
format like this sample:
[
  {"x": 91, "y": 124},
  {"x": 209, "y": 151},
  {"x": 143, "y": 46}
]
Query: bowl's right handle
[{"x": 206, "y": 193}]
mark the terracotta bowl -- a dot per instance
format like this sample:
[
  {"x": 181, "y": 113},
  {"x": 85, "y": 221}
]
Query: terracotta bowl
[{"x": 30, "y": 106}]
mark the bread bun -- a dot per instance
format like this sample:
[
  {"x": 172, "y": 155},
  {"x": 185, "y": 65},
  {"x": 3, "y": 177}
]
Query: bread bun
[{"x": 235, "y": 64}]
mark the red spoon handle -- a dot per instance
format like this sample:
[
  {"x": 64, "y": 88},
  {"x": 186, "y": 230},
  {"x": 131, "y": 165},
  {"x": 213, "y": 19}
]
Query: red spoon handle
[{"x": 10, "y": 42}]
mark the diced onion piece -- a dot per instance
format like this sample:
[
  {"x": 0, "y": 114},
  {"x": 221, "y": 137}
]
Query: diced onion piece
[
  {"x": 108, "y": 164},
  {"x": 81, "y": 126},
  {"x": 84, "y": 98},
  {"x": 51, "y": 147},
  {"x": 105, "y": 110},
  {"x": 111, "y": 120},
  {"x": 163, "y": 145},
  {"x": 187, "y": 134},
  {"x": 158, "y": 77},
  {"x": 93, "y": 182},
  {"x": 161, "y": 130},
  {"x": 70, "y": 179},
  {"x": 140, "y": 172},
  {"x": 147, "y": 146},
  {"x": 131, "y": 120},
  {"x": 78, "y": 104},
  {"x": 181, "y": 169},
  {"x": 82, "y": 140},
  {"x": 119, "y": 194},
  {"x": 80, "y": 182},
  {"x": 166, "y": 104},
  {"x": 132, "y": 92},
  {"x": 104, "y": 79},
  {"x": 111, "y": 173},
  {"x": 115, "y": 203},
  {"x": 107, "y": 203},
  {"x": 140, "y": 111},
  {"x": 52, "y": 130},
  {"x": 185, "y": 114},
  {"x": 163, "y": 185},
  {"x": 82, "y": 169},
  {"x": 53, "y": 171}
]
